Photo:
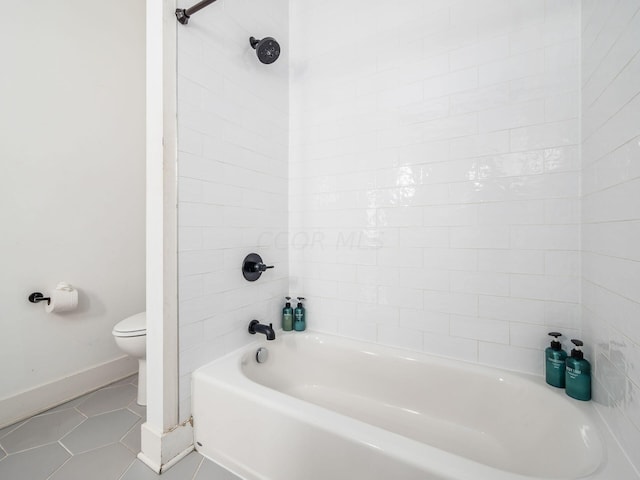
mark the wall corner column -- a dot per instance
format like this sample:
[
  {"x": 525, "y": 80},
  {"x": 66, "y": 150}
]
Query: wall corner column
[{"x": 163, "y": 440}]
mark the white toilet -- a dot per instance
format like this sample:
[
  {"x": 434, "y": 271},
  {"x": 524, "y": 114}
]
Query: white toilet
[{"x": 131, "y": 336}]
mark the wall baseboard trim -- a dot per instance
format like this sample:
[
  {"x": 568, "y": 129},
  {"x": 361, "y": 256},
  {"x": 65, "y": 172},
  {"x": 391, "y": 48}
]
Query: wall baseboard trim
[
  {"x": 160, "y": 451},
  {"x": 39, "y": 399}
]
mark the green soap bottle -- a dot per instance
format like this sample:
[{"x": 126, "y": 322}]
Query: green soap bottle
[
  {"x": 555, "y": 358},
  {"x": 287, "y": 316},
  {"x": 578, "y": 374},
  {"x": 299, "y": 314}
]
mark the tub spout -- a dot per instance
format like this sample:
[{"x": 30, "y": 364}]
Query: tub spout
[{"x": 256, "y": 327}]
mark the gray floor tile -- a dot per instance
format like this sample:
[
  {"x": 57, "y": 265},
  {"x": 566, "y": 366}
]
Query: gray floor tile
[
  {"x": 35, "y": 464},
  {"x": 183, "y": 470},
  {"x": 132, "y": 439},
  {"x": 103, "y": 446},
  {"x": 108, "y": 399},
  {"x": 100, "y": 430},
  {"x": 10, "y": 428},
  {"x": 41, "y": 430},
  {"x": 212, "y": 471},
  {"x": 138, "y": 409},
  {"x": 106, "y": 463}
]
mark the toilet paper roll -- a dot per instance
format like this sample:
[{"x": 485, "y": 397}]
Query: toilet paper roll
[{"x": 63, "y": 299}]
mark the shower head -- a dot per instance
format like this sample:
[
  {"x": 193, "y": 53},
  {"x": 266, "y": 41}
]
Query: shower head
[{"x": 267, "y": 49}]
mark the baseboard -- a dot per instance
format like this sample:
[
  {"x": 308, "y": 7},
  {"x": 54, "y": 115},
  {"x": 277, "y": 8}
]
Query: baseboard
[
  {"x": 37, "y": 400},
  {"x": 160, "y": 451}
]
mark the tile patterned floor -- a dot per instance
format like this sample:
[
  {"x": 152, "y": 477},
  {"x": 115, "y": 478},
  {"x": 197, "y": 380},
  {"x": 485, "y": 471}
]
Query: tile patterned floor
[{"x": 97, "y": 437}]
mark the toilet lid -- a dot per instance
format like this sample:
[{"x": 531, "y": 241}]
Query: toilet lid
[{"x": 132, "y": 326}]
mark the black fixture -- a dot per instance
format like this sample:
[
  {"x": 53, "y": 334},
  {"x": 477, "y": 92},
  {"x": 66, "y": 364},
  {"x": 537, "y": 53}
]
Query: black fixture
[
  {"x": 252, "y": 267},
  {"x": 36, "y": 297},
  {"x": 183, "y": 14},
  {"x": 256, "y": 327},
  {"x": 267, "y": 49}
]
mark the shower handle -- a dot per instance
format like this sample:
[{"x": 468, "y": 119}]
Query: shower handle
[
  {"x": 253, "y": 266},
  {"x": 261, "y": 267}
]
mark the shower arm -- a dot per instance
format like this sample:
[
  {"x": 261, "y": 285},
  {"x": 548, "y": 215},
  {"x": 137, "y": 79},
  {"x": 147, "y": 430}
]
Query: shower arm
[{"x": 183, "y": 14}]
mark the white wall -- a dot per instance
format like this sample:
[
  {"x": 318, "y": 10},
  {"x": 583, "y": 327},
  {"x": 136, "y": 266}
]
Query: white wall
[
  {"x": 435, "y": 174},
  {"x": 71, "y": 183},
  {"x": 611, "y": 211},
  {"x": 233, "y": 118}
]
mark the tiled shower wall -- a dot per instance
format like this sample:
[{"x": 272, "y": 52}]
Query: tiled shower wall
[
  {"x": 233, "y": 118},
  {"x": 434, "y": 199},
  {"x": 435, "y": 173},
  {"x": 611, "y": 210}
]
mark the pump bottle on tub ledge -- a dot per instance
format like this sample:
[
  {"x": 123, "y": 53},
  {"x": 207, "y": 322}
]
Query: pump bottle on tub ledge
[
  {"x": 555, "y": 365},
  {"x": 578, "y": 374},
  {"x": 299, "y": 317},
  {"x": 287, "y": 316}
]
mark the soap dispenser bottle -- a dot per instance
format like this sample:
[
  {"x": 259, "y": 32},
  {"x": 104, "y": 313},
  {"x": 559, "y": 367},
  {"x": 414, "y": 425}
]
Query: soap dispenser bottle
[
  {"x": 578, "y": 374},
  {"x": 287, "y": 316},
  {"x": 555, "y": 358},
  {"x": 299, "y": 314}
]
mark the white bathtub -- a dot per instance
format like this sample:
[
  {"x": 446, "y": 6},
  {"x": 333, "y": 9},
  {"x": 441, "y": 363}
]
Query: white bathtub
[{"x": 328, "y": 408}]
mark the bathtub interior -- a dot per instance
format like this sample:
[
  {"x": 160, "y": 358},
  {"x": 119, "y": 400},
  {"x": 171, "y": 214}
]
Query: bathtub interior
[{"x": 493, "y": 417}]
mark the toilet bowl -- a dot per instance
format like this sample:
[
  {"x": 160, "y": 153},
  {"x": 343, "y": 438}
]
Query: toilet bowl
[{"x": 130, "y": 335}]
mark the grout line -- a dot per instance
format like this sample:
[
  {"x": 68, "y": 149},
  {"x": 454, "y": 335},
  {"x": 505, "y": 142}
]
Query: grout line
[
  {"x": 73, "y": 429},
  {"x": 130, "y": 449},
  {"x": 49, "y": 412},
  {"x": 129, "y": 431},
  {"x": 600, "y": 254},
  {"x": 97, "y": 448},
  {"x": 197, "y": 470},
  {"x": 86, "y": 417},
  {"x": 127, "y": 469},
  {"x": 135, "y": 413},
  {"x": 32, "y": 448},
  {"x": 64, "y": 446},
  {"x": 620, "y": 34},
  {"x": 607, "y": 289},
  {"x": 16, "y": 426},
  {"x": 117, "y": 385},
  {"x": 609, "y": 120},
  {"x": 615, "y": 185},
  {"x": 110, "y": 411},
  {"x": 59, "y": 468}
]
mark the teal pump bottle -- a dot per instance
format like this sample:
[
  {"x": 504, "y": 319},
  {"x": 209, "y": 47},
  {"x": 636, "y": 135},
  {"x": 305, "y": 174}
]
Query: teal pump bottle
[
  {"x": 299, "y": 314},
  {"x": 287, "y": 316},
  {"x": 555, "y": 358},
  {"x": 578, "y": 374}
]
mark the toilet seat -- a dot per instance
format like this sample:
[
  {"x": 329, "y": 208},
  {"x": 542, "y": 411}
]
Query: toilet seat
[{"x": 133, "y": 326}]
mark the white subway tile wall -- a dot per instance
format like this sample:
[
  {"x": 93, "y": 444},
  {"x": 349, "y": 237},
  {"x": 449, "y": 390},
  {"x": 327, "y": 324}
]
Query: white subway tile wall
[
  {"x": 434, "y": 177},
  {"x": 457, "y": 177},
  {"x": 611, "y": 211},
  {"x": 233, "y": 123}
]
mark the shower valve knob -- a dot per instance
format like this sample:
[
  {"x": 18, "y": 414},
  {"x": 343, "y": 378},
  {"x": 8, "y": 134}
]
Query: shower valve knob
[{"x": 253, "y": 266}]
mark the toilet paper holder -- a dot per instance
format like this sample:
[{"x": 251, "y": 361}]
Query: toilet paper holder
[
  {"x": 63, "y": 298},
  {"x": 36, "y": 297}
]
